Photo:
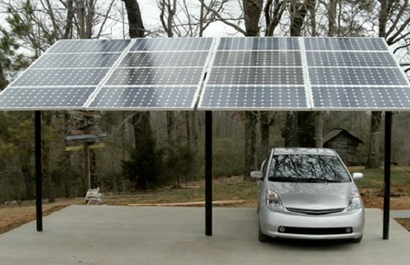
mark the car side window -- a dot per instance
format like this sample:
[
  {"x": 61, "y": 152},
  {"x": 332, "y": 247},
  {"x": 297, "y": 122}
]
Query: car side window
[{"x": 264, "y": 168}]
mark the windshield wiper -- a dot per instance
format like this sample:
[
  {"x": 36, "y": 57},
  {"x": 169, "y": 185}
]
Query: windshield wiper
[
  {"x": 283, "y": 179},
  {"x": 316, "y": 180},
  {"x": 322, "y": 180}
]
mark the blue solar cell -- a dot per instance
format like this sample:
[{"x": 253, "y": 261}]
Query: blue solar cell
[
  {"x": 256, "y": 75},
  {"x": 61, "y": 77},
  {"x": 52, "y": 97},
  {"x": 266, "y": 43},
  {"x": 162, "y": 59},
  {"x": 173, "y": 44},
  {"x": 357, "y": 76},
  {"x": 257, "y": 58},
  {"x": 236, "y": 97},
  {"x": 357, "y": 59},
  {"x": 145, "y": 97},
  {"x": 156, "y": 76},
  {"x": 352, "y": 44},
  {"x": 361, "y": 97},
  {"x": 75, "y": 60},
  {"x": 88, "y": 46}
]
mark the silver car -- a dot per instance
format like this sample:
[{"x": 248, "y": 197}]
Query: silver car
[{"x": 308, "y": 193}]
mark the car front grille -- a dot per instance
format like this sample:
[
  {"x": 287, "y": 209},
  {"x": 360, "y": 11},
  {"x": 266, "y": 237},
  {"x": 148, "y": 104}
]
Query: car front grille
[
  {"x": 314, "y": 211},
  {"x": 315, "y": 231}
]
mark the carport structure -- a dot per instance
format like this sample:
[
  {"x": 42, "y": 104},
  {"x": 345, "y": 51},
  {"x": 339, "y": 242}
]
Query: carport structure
[{"x": 213, "y": 74}]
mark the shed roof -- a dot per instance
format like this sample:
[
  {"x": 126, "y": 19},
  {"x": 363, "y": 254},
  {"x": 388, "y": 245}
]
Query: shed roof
[{"x": 336, "y": 132}]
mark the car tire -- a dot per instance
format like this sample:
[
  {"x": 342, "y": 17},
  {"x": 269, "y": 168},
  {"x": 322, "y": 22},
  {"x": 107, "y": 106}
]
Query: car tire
[
  {"x": 357, "y": 240},
  {"x": 262, "y": 237}
]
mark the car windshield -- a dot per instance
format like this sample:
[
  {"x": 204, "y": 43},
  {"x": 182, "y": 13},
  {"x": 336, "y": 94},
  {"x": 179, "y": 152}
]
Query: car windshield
[{"x": 307, "y": 168}]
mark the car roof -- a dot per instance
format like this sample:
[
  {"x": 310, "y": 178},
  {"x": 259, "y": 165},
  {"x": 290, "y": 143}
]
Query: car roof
[{"x": 303, "y": 151}]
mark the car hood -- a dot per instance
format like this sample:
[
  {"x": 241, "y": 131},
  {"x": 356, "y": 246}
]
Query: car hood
[{"x": 316, "y": 196}]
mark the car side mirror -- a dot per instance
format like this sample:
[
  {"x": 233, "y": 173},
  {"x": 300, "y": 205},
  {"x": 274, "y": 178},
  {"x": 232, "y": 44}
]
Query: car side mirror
[
  {"x": 256, "y": 175},
  {"x": 357, "y": 175}
]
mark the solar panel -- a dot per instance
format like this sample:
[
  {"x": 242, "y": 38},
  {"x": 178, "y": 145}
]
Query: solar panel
[
  {"x": 344, "y": 44},
  {"x": 89, "y": 46},
  {"x": 354, "y": 59},
  {"x": 155, "y": 76},
  {"x": 43, "y": 98},
  {"x": 375, "y": 98},
  {"x": 165, "y": 59},
  {"x": 260, "y": 44},
  {"x": 256, "y": 75},
  {"x": 258, "y": 58},
  {"x": 173, "y": 44},
  {"x": 234, "y": 73},
  {"x": 145, "y": 97},
  {"x": 75, "y": 60},
  {"x": 357, "y": 76},
  {"x": 61, "y": 77},
  {"x": 253, "y": 97}
]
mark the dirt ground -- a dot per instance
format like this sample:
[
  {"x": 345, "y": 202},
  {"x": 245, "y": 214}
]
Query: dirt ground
[{"x": 14, "y": 215}]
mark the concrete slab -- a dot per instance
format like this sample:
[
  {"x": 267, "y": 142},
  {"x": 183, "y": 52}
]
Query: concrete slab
[
  {"x": 400, "y": 214},
  {"x": 152, "y": 235}
]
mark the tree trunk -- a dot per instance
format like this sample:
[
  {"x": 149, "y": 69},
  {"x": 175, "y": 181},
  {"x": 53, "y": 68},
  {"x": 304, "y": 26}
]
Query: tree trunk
[
  {"x": 141, "y": 120},
  {"x": 376, "y": 116},
  {"x": 69, "y": 22},
  {"x": 252, "y": 11},
  {"x": 291, "y": 130},
  {"x": 332, "y": 17},
  {"x": 171, "y": 130},
  {"x": 319, "y": 129},
  {"x": 81, "y": 19},
  {"x": 373, "y": 159},
  {"x": 136, "y": 26},
  {"x": 3, "y": 81},
  {"x": 265, "y": 123},
  {"x": 47, "y": 121},
  {"x": 299, "y": 126},
  {"x": 251, "y": 161},
  {"x": 89, "y": 19},
  {"x": 143, "y": 144}
]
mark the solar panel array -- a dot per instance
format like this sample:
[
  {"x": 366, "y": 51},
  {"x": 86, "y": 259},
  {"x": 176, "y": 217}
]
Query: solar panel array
[
  {"x": 64, "y": 77},
  {"x": 256, "y": 73},
  {"x": 305, "y": 74},
  {"x": 267, "y": 73},
  {"x": 140, "y": 74},
  {"x": 354, "y": 73}
]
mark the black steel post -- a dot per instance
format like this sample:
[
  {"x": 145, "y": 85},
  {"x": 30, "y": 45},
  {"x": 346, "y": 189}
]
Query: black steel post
[
  {"x": 387, "y": 174},
  {"x": 39, "y": 188},
  {"x": 208, "y": 173}
]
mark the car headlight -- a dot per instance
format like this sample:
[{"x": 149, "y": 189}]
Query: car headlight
[
  {"x": 355, "y": 202},
  {"x": 273, "y": 201}
]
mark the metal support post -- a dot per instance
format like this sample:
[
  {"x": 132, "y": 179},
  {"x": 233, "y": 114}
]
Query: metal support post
[
  {"x": 387, "y": 174},
  {"x": 208, "y": 173},
  {"x": 39, "y": 177}
]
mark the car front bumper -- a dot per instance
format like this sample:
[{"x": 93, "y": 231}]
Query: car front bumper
[{"x": 304, "y": 226}]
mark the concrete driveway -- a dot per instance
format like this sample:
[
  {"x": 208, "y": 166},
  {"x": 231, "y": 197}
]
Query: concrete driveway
[{"x": 154, "y": 235}]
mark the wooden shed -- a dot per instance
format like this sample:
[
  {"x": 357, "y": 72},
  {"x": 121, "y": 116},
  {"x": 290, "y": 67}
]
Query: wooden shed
[{"x": 345, "y": 144}]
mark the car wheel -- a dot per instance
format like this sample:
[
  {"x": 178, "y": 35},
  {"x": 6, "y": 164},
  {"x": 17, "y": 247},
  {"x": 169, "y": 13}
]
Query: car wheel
[
  {"x": 357, "y": 240},
  {"x": 262, "y": 237}
]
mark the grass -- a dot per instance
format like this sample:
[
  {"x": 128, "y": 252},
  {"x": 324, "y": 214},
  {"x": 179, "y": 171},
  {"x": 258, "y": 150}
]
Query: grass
[{"x": 374, "y": 178}]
